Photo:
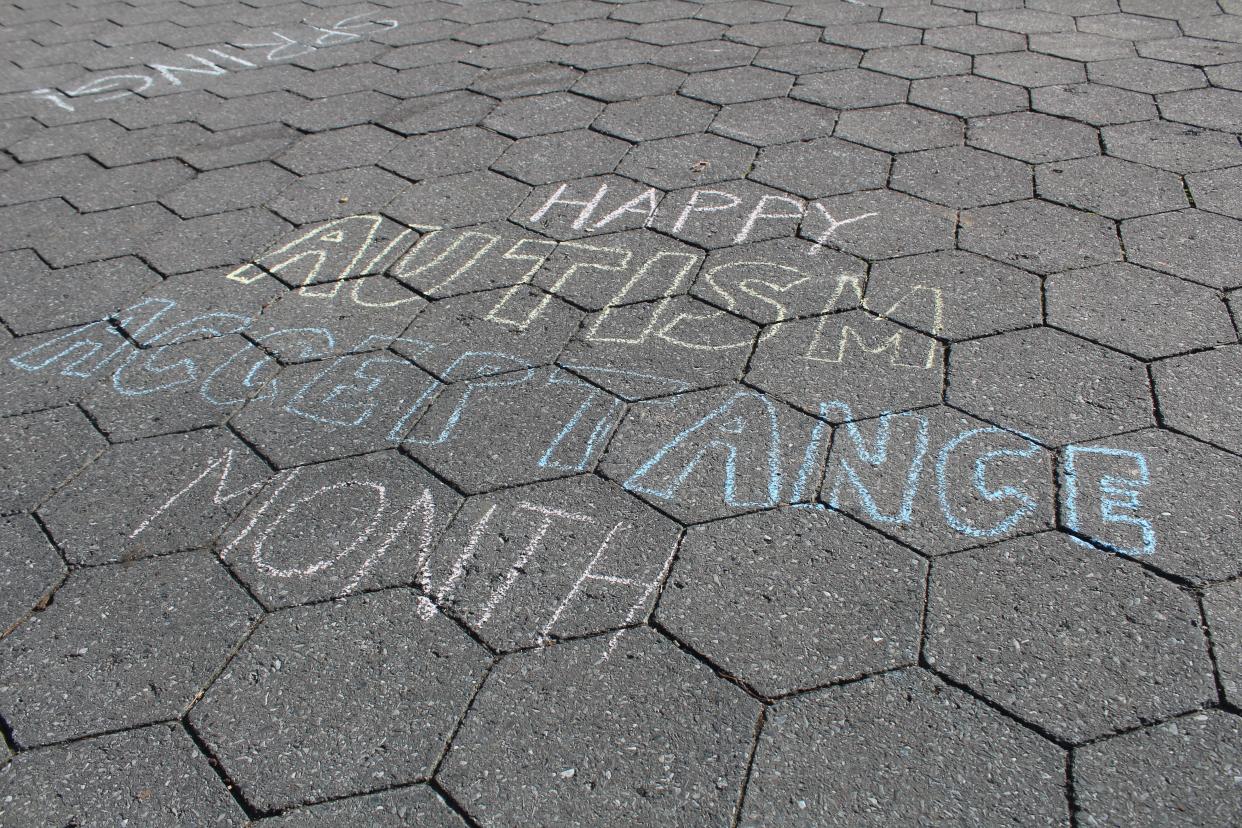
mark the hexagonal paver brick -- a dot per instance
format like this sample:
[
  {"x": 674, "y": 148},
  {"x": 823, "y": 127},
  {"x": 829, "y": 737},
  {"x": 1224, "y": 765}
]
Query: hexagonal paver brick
[
  {"x": 175, "y": 492},
  {"x": 1067, "y": 638},
  {"x": 349, "y": 663},
  {"x": 871, "y": 35},
  {"x": 455, "y": 151},
  {"x": 1179, "y": 773},
  {"x": 1110, "y": 187},
  {"x": 688, "y": 342},
  {"x": 31, "y": 569},
  {"x": 1139, "y": 311},
  {"x": 230, "y": 188},
  {"x": 175, "y": 388},
  {"x": 573, "y": 154},
  {"x": 331, "y": 529},
  {"x": 880, "y": 750},
  {"x": 824, "y": 167},
  {"x": 1034, "y": 138},
  {"x": 772, "y": 281},
  {"x": 715, "y": 453},
  {"x": 899, "y": 128},
  {"x": 359, "y": 314},
  {"x": 688, "y": 161},
  {"x": 1029, "y": 69},
  {"x": 1050, "y": 385},
  {"x": 212, "y": 241},
  {"x": 1199, "y": 246},
  {"x": 40, "y": 299},
  {"x": 704, "y": 56},
  {"x": 614, "y": 269},
  {"x": 1183, "y": 519},
  {"x": 1027, "y": 21},
  {"x": 560, "y": 559},
  {"x": 1093, "y": 103},
  {"x": 624, "y": 83},
  {"x": 337, "y": 194},
  {"x": 1082, "y": 46},
  {"x": 729, "y": 213},
  {"x": 144, "y": 776},
  {"x": 773, "y": 121},
  {"x": 1194, "y": 51},
  {"x": 545, "y": 749},
  {"x": 968, "y": 96},
  {"x": 974, "y": 40},
  {"x": 1199, "y": 394},
  {"x": 522, "y": 322},
  {"x": 961, "y": 177},
  {"x": 1128, "y": 26},
  {"x": 1040, "y": 237},
  {"x": 335, "y": 407},
  {"x": 880, "y": 224},
  {"x": 970, "y": 296},
  {"x": 1222, "y": 607},
  {"x": 40, "y": 451},
  {"x": 806, "y": 58},
  {"x": 1219, "y": 191},
  {"x": 575, "y": 209},
  {"x": 121, "y": 646},
  {"x": 434, "y": 113},
  {"x": 356, "y": 146},
  {"x": 542, "y": 114},
  {"x": 1178, "y": 148},
  {"x": 416, "y": 805},
  {"x": 487, "y": 430},
  {"x": 737, "y": 85},
  {"x": 472, "y": 258},
  {"x": 851, "y": 89},
  {"x": 915, "y": 476},
  {"x": 863, "y": 364},
  {"x": 915, "y": 61},
  {"x": 828, "y": 601},
  {"x": 660, "y": 116},
  {"x": 1145, "y": 75}
]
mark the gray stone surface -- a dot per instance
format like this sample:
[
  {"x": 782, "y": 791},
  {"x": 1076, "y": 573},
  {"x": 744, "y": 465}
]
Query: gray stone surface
[
  {"x": 152, "y": 775},
  {"x": 1221, "y": 609},
  {"x": 32, "y": 570},
  {"x": 345, "y": 663},
  {"x": 40, "y": 452},
  {"x": 331, "y": 529},
  {"x": 1139, "y": 311},
  {"x": 565, "y": 735},
  {"x": 341, "y": 294},
  {"x": 1068, "y": 638},
  {"x": 1183, "y": 494},
  {"x": 1178, "y": 773},
  {"x": 716, "y": 453},
  {"x": 1023, "y": 234},
  {"x": 791, "y": 599},
  {"x": 417, "y": 806},
  {"x": 120, "y": 646},
  {"x": 1055, "y": 387},
  {"x": 534, "y": 563},
  {"x": 1197, "y": 395},
  {"x": 172, "y": 493},
  {"x": 953, "y": 294},
  {"x": 494, "y": 424},
  {"x": 1196, "y": 245},
  {"x": 903, "y": 746},
  {"x": 869, "y": 364},
  {"x": 915, "y": 476}
]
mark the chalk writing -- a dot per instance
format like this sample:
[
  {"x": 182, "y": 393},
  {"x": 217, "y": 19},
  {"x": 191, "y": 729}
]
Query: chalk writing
[{"x": 267, "y": 48}]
